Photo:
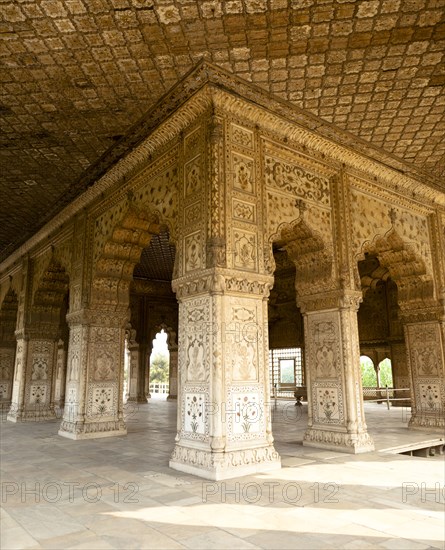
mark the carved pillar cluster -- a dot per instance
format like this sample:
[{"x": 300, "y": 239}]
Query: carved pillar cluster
[
  {"x": 173, "y": 368},
  {"x": 8, "y": 320},
  {"x": 94, "y": 387},
  {"x": 335, "y": 417},
  {"x": 425, "y": 344}
]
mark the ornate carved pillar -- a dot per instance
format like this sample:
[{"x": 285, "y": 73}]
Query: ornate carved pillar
[
  {"x": 133, "y": 371},
  {"x": 222, "y": 286},
  {"x": 32, "y": 397},
  {"x": 144, "y": 369},
  {"x": 8, "y": 320},
  {"x": 94, "y": 389},
  {"x": 425, "y": 344},
  {"x": 38, "y": 330},
  {"x": 224, "y": 422},
  {"x": 60, "y": 375},
  {"x": 335, "y": 417},
  {"x": 173, "y": 368},
  {"x": 400, "y": 372}
]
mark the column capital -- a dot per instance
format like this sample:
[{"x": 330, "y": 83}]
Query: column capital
[
  {"x": 333, "y": 299},
  {"x": 107, "y": 316},
  {"x": 222, "y": 281},
  {"x": 413, "y": 312}
]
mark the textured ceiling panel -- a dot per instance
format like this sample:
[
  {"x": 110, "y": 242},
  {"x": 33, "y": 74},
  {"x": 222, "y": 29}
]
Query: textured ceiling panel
[
  {"x": 77, "y": 73},
  {"x": 157, "y": 259}
]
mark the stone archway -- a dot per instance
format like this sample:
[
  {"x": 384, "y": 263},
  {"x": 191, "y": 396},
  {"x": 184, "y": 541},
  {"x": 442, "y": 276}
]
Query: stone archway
[
  {"x": 39, "y": 354},
  {"x": 172, "y": 345},
  {"x": 335, "y": 402},
  {"x": 422, "y": 316},
  {"x": 97, "y": 333}
]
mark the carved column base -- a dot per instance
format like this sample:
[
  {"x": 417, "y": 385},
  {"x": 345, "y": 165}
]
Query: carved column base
[
  {"x": 92, "y": 430},
  {"x": 31, "y": 415},
  {"x": 342, "y": 442},
  {"x": 224, "y": 465},
  {"x": 172, "y": 397},
  {"x": 136, "y": 399},
  {"x": 427, "y": 421}
]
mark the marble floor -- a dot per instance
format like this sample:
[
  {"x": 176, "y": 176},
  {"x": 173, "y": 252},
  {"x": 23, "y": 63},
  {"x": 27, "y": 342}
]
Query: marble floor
[{"x": 120, "y": 493}]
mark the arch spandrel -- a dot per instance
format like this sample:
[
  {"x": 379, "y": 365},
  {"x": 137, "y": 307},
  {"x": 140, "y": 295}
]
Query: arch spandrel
[
  {"x": 374, "y": 217},
  {"x": 154, "y": 191}
]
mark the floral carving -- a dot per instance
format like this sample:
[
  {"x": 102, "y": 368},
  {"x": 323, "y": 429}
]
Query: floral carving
[
  {"x": 328, "y": 403},
  {"x": 243, "y": 173},
  {"x": 194, "y": 411}
]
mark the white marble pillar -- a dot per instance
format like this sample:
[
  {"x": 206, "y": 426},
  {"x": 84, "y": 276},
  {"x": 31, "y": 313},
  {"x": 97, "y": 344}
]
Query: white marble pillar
[
  {"x": 335, "y": 417},
  {"x": 426, "y": 356},
  {"x": 94, "y": 389},
  {"x": 223, "y": 405},
  {"x": 32, "y": 397}
]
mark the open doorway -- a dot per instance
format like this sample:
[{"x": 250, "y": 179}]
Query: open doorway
[{"x": 159, "y": 367}]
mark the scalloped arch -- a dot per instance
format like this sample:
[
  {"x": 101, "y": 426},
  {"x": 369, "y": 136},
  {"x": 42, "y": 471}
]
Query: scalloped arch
[
  {"x": 306, "y": 248},
  {"x": 404, "y": 265},
  {"x": 113, "y": 272}
]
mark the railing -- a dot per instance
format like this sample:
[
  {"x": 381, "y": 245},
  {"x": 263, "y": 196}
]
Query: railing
[
  {"x": 381, "y": 395},
  {"x": 385, "y": 394},
  {"x": 159, "y": 387}
]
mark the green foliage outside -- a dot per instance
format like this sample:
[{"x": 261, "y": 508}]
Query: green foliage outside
[
  {"x": 386, "y": 374},
  {"x": 369, "y": 377},
  {"x": 159, "y": 368}
]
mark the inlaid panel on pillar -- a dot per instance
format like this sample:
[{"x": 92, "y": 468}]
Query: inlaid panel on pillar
[{"x": 34, "y": 371}]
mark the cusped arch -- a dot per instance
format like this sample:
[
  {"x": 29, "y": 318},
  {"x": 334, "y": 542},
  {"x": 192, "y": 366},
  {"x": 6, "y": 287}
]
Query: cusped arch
[
  {"x": 50, "y": 296},
  {"x": 170, "y": 332},
  {"x": 52, "y": 287},
  {"x": 113, "y": 272},
  {"x": 312, "y": 257},
  {"x": 403, "y": 264},
  {"x": 8, "y": 315}
]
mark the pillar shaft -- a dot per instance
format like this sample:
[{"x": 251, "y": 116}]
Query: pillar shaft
[
  {"x": 94, "y": 389},
  {"x": 32, "y": 396},
  {"x": 173, "y": 372},
  {"x": 336, "y": 418},
  {"x": 426, "y": 355},
  {"x": 223, "y": 414},
  {"x": 133, "y": 373},
  {"x": 7, "y": 360}
]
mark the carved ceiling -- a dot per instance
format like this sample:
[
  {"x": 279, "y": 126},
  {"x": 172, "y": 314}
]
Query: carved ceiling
[
  {"x": 76, "y": 74},
  {"x": 157, "y": 260}
]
